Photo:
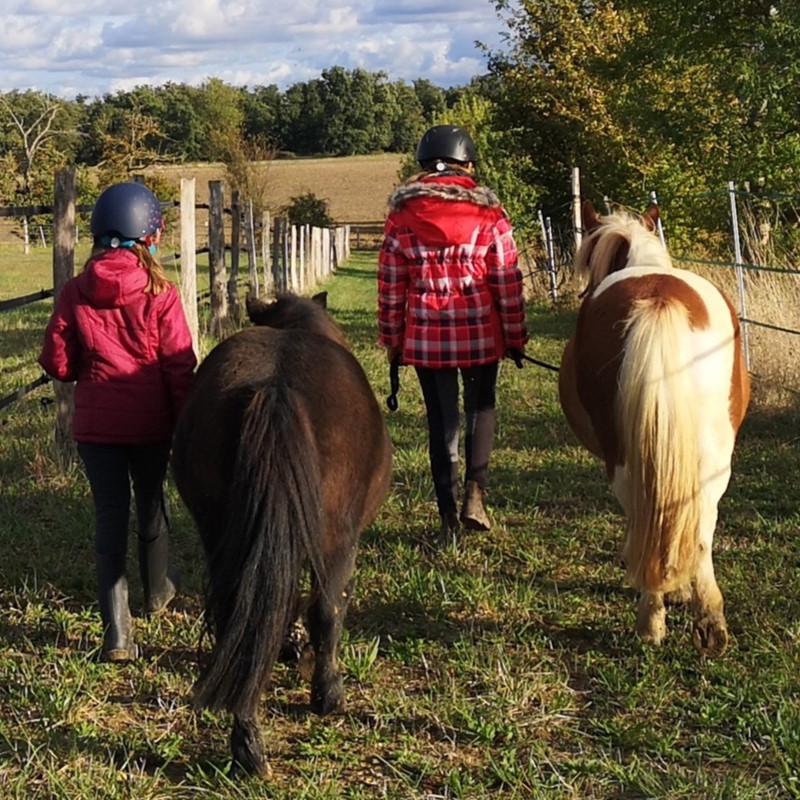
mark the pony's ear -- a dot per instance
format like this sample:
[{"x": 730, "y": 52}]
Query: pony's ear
[
  {"x": 651, "y": 217},
  {"x": 256, "y": 309},
  {"x": 589, "y": 216},
  {"x": 321, "y": 299}
]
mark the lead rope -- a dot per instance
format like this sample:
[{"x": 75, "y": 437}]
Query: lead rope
[{"x": 394, "y": 383}]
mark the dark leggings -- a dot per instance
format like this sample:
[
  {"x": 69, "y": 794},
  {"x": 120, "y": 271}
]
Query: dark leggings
[
  {"x": 111, "y": 469},
  {"x": 440, "y": 392}
]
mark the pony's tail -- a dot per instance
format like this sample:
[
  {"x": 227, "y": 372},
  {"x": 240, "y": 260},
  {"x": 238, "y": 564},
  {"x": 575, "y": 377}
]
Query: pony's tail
[
  {"x": 659, "y": 433},
  {"x": 272, "y": 520}
]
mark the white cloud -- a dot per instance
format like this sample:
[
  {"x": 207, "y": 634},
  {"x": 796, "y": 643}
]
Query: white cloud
[{"x": 71, "y": 47}]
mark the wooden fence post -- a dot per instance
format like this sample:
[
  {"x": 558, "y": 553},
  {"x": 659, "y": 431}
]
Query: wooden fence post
[
  {"x": 266, "y": 255},
  {"x": 294, "y": 281},
  {"x": 63, "y": 270},
  {"x": 326, "y": 250},
  {"x": 301, "y": 258},
  {"x": 278, "y": 265},
  {"x": 216, "y": 258},
  {"x": 252, "y": 260},
  {"x": 189, "y": 259},
  {"x": 577, "y": 219},
  {"x": 236, "y": 240}
]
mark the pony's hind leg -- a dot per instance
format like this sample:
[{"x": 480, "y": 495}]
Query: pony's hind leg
[
  {"x": 325, "y": 619},
  {"x": 247, "y": 746},
  {"x": 710, "y": 634},
  {"x": 651, "y": 616}
]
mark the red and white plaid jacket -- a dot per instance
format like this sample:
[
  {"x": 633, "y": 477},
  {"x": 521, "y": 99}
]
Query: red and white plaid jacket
[{"x": 449, "y": 288}]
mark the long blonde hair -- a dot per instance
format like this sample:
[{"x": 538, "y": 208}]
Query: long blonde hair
[{"x": 157, "y": 280}]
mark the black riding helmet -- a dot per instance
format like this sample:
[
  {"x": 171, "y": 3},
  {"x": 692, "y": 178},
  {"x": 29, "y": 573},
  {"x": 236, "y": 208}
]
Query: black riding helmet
[
  {"x": 448, "y": 143},
  {"x": 128, "y": 211}
]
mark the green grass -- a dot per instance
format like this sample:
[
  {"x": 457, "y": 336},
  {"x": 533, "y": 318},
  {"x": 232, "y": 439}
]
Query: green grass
[{"x": 503, "y": 667}]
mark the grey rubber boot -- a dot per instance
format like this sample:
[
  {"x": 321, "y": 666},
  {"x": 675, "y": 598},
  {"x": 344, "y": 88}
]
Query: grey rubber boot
[
  {"x": 118, "y": 643},
  {"x": 160, "y": 582}
]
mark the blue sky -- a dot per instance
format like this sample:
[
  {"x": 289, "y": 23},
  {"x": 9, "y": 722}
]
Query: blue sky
[{"x": 72, "y": 47}]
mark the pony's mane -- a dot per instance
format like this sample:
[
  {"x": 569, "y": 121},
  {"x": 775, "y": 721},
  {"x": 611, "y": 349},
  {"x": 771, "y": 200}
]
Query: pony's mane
[
  {"x": 620, "y": 240},
  {"x": 290, "y": 311}
]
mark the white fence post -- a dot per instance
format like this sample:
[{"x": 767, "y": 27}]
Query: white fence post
[
  {"x": 659, "y": 226},
  {"x": 577, "y": 223},
  {"x": 189, "y": 259},
  {"x": 551, "y": 259}
]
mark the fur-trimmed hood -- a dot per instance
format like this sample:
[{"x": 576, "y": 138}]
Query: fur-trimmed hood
[
  {"x": 458, "y": 189},
  {"x": 444, "y": 210}
]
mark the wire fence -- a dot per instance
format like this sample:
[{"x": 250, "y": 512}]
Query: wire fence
[
  {"x": 755, "y": 260},
  {"x": 763, "y": 239}
]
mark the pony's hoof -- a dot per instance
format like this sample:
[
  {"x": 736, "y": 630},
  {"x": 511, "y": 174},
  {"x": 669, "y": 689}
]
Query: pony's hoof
[
  {"x": 329, "y": 697},
  {"x": 247, "y": 749},
  {"x": 710, "y": 636},
  {"x": 651, "y": 637},
  {"x": 259, "y": 769}
]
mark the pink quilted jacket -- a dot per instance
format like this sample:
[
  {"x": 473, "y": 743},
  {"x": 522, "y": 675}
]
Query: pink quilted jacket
[{"x": 130, "y": 352}]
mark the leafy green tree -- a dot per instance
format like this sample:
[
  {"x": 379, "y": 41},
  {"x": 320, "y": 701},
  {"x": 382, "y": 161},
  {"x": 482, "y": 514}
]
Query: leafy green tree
[
  {"x": 222, "y": 113},
  {"x": 356, "y": 107},
  {"x": 432, "y": 98},
  {"x": 649, "y": 95},
  {"x": 302, "y": 119},
  {"x": 261, "y": 108},
  {"x": 406, "y": 117},
  {"x": 182, "y": 123}
]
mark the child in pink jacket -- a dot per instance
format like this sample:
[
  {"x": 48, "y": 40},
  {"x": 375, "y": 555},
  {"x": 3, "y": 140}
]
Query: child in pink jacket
[{"x": 119, "y": 331}]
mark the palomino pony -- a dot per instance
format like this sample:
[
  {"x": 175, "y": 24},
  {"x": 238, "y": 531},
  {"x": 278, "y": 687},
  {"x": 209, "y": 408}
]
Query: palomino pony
[
  {"x": 283, "y": 457},
  {"x": 654, "y": 383}
]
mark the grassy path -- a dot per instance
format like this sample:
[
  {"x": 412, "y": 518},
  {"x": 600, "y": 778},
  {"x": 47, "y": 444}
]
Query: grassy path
[{"x": 505, "y": 667}]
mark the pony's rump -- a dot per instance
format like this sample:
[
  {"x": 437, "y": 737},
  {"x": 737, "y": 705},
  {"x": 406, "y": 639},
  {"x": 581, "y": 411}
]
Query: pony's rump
[{"x": 271, "y": 523}]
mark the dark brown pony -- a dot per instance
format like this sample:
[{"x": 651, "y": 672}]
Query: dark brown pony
[
  {"x": 654, "y": 383},
  {"x": 283, "y": 457}
]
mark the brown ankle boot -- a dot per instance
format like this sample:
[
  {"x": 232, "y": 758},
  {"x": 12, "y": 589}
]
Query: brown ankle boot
[{"x": 473, "y": 514}]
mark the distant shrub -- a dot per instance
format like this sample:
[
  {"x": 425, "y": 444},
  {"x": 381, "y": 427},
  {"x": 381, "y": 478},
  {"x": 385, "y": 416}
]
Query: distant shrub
[{"x": 308, "y": 209}]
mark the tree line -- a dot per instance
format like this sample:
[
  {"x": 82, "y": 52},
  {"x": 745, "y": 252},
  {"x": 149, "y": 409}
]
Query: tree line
[{"x": 341, "y": 113}]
